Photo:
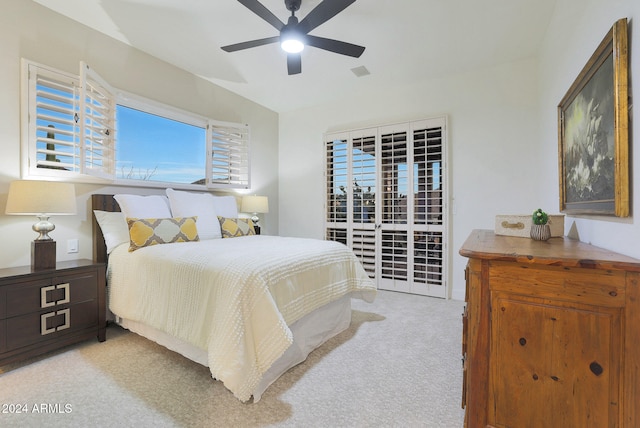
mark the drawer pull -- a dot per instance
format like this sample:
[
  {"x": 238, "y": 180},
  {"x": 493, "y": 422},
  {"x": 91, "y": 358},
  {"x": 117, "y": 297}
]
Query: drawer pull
[
  {"x": 43, "y": 296},
  {"x": 44, "y": 317},
  {"x": 44, "y": 292},
  {"x": 65, "y": 288},
  {"x": 507, "y": 225}
]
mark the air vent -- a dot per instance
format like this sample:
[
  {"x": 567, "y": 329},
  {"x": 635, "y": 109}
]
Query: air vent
[{"x": 360, "y": 71}]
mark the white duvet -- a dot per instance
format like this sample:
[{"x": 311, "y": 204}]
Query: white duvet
[{"x": 234, "y": 297}]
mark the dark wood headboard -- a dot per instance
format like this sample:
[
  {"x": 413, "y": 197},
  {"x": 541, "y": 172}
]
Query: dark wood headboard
[{"x": 102, "y": 203}]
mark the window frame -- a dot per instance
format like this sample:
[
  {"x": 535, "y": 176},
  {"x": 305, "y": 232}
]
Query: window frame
[{"x": 237, "y": 160}]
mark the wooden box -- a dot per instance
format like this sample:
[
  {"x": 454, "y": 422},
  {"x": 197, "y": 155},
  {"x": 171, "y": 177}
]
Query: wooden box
[{"x": 520, "y": 225}]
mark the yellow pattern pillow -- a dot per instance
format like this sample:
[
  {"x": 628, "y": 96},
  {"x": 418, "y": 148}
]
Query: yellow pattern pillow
[
  {"x": 236, "y": 227},
  {"x": 144, "y": 232}
]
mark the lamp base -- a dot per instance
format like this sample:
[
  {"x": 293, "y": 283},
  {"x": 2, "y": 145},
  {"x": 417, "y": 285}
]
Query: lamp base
[
  {"x": 255, "y": 220},
  {"x": 43, "y": 255}
]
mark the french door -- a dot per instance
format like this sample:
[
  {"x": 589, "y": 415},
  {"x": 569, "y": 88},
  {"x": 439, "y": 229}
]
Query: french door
[{"x": 385, "y": 200}]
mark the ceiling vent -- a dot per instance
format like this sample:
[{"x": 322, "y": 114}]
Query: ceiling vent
[{"x": 360, "y": 71}]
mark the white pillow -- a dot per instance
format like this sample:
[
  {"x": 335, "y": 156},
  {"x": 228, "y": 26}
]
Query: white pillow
[
  {"x": 200, "y": 205},
  {"x": 136, "y": 206},
  {"x": 114, "y": 228},
  {"x": 226, "y": 206}
]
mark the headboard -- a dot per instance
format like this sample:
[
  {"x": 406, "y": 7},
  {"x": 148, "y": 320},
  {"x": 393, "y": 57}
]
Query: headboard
[{"x": 102, "y": 203}]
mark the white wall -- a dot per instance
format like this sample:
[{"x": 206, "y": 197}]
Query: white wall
[
  {"x": 36, "y": 33},
  {"x": 502, "y": 127},
  {"x": 502, "y": 136},
  {"x": 493, "y": 149},
  {"x": 575, "y": 32}
]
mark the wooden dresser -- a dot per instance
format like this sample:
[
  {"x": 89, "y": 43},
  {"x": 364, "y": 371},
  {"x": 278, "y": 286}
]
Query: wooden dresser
[{"x": 551, "y": 334}]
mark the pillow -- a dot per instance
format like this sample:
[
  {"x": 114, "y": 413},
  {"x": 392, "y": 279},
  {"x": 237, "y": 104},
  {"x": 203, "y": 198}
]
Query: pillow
[
  {"x": 200, "y": 205},
  {"x": 144, "y": 232},
  {"x": 226, "y": 206},
  {"x": 114, "y": 228},
  {"x": 136, "y": 206},
  {"x": 236, "y": 227}
]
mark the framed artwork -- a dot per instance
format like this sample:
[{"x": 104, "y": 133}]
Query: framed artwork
[{"x": 593, "y": 132}]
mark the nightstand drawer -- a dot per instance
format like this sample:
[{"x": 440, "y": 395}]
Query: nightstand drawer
[
  {"x": 24, "y": 298},
  {"x": 3, "y": 337},
  {"x": 35, "y": 327}
]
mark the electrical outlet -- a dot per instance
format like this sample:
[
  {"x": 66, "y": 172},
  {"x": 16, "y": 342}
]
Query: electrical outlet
[{"x": 72, "y": 246}]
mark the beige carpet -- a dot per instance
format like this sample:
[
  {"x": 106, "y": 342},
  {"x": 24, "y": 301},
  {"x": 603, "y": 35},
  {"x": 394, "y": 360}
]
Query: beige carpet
[{"x": 398, "y": 365}]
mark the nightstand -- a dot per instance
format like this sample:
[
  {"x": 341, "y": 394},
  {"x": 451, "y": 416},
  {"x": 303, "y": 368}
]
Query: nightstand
[{"x": 41, "y": 311}]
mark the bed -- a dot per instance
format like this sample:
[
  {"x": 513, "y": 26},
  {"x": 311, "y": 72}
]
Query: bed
[{"x": 249, "y": 308}]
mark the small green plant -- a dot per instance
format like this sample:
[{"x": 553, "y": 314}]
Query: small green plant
[{"x": 540, "y": 217}]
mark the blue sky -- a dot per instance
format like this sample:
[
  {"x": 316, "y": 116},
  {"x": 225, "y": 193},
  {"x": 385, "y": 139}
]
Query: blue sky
[{"x": 150, "y": 144}]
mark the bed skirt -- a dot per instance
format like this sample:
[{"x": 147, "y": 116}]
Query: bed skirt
[{"x": 309, "y": 332}]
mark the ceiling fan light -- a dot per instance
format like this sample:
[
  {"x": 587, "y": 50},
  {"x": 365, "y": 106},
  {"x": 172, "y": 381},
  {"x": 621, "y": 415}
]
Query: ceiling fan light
[{"x": 292, "y": 45}]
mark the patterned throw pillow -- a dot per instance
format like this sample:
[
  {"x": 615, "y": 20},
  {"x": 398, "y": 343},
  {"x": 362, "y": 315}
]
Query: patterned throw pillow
[
  {"x": 236, "y": 227},
  {"x": 144, "y": 232}
]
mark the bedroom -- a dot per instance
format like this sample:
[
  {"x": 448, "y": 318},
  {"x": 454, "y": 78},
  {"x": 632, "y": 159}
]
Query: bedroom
[{"x": 502, "y": 118}]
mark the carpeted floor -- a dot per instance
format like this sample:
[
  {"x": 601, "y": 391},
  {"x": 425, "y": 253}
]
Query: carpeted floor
[{"x": 398, "y": 365}]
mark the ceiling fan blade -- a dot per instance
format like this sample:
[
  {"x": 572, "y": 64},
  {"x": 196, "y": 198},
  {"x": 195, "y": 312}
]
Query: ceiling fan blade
[
  {"x": 336, "y": 46},
  {"x": 294, "y": 63},
  {"x": 322, "y": 13},
  {"x": 250, "y": 44},
  {"x": 258, "y": 8}
]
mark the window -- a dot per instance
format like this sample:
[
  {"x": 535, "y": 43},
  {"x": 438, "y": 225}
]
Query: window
[
  {"x": 142, "y": 142},
  {"x": 77, "y": 129}
]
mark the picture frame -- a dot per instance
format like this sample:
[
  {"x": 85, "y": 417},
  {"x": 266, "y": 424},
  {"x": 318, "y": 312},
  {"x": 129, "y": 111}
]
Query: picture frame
[{"x": 593, "y": 132}]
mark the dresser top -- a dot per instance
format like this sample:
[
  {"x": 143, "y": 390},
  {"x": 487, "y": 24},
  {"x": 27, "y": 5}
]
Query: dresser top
[{"x": 560, "y": 251}]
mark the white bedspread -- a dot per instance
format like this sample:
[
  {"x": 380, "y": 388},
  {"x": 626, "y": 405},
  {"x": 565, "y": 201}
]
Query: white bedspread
[{"x": 235, "y": 297}]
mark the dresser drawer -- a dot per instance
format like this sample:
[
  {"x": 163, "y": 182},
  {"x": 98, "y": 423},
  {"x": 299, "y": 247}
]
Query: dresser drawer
[
  {"x": 578, "y": 285},
  {"x": 35, "y": 327},
  {"x": 36, "y": 295}
]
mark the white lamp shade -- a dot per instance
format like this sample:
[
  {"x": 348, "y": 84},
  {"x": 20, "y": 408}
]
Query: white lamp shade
[
  {"x": 41, "y": 197},
  {"x": 255, "y": 204}
]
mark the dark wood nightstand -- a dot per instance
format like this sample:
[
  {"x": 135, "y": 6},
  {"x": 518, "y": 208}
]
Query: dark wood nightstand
[{"x": 44, "y": 310}]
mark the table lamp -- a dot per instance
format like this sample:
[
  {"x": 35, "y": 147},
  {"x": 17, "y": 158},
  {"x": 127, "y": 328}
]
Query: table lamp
[
  {"x": 42, "y": 199},
  {"x": 255, "y": 204}
]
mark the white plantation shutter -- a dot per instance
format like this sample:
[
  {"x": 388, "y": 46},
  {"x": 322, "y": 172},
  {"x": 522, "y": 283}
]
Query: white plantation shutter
[
  {"x": 228, "y": 155},
  {"x": 386, "y": 192},
  {"x": 52, "y": 121},
  {"x": 337, "y": 180},
  {"x": 364, "y": 247},
  {"x": 97, "y": 128},
  {"x": 70, "y": 123},
  {"x": 429, "y": 238},
  {"x": 337, "y": 234}
]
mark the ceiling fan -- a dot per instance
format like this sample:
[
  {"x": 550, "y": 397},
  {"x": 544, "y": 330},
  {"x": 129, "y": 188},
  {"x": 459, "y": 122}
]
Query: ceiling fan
[{"x": 295, "y": 35}]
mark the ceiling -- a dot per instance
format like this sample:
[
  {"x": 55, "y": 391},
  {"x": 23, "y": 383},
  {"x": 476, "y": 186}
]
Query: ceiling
[{"x": 406, "y": 41}]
